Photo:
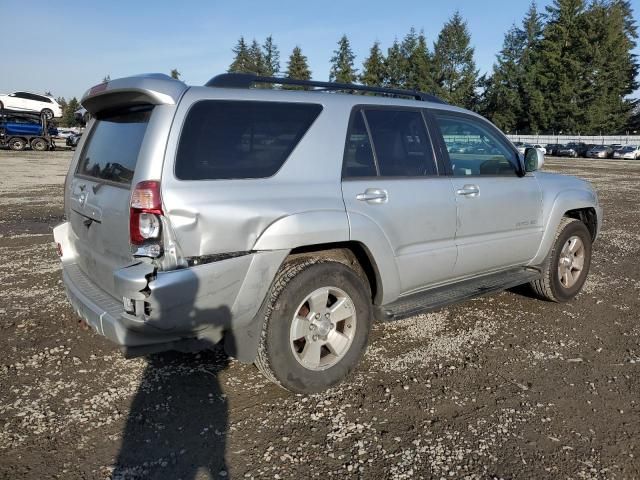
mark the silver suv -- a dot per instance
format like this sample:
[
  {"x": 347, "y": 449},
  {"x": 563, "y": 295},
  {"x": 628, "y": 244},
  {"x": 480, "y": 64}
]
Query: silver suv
[{"x": 284, "y": 221}]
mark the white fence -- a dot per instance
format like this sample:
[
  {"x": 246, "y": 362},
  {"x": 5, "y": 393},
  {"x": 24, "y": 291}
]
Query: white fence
[{"x": 595, "y": 139}]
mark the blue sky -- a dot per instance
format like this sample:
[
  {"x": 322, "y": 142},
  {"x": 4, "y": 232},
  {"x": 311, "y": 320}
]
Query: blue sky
[{"x": 67, "y": 46}]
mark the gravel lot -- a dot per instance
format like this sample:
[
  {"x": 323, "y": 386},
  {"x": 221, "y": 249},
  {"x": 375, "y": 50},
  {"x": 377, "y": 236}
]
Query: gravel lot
[{"x": 499, "y": 387}]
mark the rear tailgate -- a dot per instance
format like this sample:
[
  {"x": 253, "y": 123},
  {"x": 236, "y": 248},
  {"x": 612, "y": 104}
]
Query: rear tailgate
[{"x": 124, "y": 145}]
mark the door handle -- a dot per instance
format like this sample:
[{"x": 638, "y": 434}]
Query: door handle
[
  {"x": 373, "y": 195},
  {"x": 469, "y": 191}
]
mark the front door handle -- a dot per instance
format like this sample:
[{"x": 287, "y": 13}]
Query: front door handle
[
  {"x": 469, "y": 191},
  {"x": 373, "y": 195}
]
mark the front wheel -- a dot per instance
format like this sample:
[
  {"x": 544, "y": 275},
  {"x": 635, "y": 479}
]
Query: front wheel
[
  {"x": 47, "y": 113},
  {"x": 566, "y": 268},
  {"x": 316, "y": 325}
]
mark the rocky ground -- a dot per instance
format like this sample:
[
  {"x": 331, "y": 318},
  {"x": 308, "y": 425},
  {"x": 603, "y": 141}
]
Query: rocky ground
[{"x": 504, "y": 386}]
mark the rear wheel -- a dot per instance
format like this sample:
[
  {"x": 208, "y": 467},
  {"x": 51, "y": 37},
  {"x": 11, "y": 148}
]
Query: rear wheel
[
  {"x": 316, "y": 325},
  {"x": 566, "y": 268},
  {"x": 47, "y": 113},
  {"x": 39, "y": 144},
  {"x": 17, "y": 144}
]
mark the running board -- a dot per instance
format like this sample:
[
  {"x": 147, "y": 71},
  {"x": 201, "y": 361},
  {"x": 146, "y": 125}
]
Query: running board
[{"x": 439, "y": 297}]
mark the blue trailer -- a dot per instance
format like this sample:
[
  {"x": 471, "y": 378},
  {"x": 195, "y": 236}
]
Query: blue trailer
[{"x": 19, "y": 130}]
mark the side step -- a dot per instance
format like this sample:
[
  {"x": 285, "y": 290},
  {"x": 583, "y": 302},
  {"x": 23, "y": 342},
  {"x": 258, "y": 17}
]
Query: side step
[{"x": 439, "y": 297}]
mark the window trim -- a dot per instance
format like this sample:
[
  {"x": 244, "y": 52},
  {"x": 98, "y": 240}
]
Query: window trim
[
  {"x": 361, "y": 108},
  {"x": 232, "y": 100},
  {"x": 520, "y": 172}
]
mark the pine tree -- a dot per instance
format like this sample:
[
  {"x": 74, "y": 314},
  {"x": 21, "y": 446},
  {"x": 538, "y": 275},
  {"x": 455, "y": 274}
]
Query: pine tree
[
  {"x": 69, "y": 113},
  {"x": 271, "y": 56},
  {"x": 373, "y": 69},
  {"x": 342, "y": 63},
  {"x": 561, "y": 72},
  {"x": 297, "y": 68},
  {"x": 256, "y": 59},
  {"x": 534, "y": 112},
  {"x": 242, "y": 59},
  {"x": 502, "y": 102},
  {"x": 456, "y": 74},
  {"x": 175, "y": 73},
  {"x": 106, "y": 78},
  {"x": 419, "y": 74},
  {"x": 394, "y": 66}
]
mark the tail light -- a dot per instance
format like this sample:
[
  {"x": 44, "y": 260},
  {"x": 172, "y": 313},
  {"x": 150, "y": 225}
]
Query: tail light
[{"x": 145, "y": 217}]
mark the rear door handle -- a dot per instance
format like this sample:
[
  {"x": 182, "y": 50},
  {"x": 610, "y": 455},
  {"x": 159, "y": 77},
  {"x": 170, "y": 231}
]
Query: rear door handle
[
  {"x": 373, "y": 195},
  {"x": 469, "y": 191}
]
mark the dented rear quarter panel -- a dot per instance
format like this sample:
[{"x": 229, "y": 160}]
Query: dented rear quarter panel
[{"x": 300, "y": 205}]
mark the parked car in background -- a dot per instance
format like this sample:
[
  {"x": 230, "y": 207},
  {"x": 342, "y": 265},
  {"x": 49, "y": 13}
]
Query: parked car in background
[
  {"x": 600, "y": 151},
  {"x": 31, "y": 102},
  {"x": 631, "y": 152},
  {"x": 73, "y": 139},
  {"x": 541, "y": 148},
  {"x": 569, "y": 150},
  {"x": 65, "y": 133},
  {"x": 282, "y": 223},
  {"x": 522, "y": 146},
  {"x": 552, "y": 148}
]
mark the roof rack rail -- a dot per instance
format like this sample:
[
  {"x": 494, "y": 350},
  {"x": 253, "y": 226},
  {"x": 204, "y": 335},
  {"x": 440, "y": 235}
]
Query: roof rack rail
[{"x": 247, "y": 80}]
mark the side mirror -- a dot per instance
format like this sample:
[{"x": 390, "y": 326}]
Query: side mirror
[{"x": 533, "y": 159}]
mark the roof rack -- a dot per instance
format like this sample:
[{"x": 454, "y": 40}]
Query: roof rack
[{"x": 247, "y": 80}]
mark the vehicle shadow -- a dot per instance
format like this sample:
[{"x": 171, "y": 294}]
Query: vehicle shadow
[{"x": 178, "y": 420}]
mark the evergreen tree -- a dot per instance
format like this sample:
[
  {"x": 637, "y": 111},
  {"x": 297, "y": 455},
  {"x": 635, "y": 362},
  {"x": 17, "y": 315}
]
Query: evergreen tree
[
  {"x": 256, "y": 59},
  {"x": 242, "y": 59},
  {"x": 342, "y": 63},
  {"x": 271, "y": 56},
  {"x": 502, "y": 101},
  {"x": 534, "y": 112},
  {"x": 456, "y": 74},
  {"x": 419, "y": 74},
  {"x": 373, "y": 68},
  {"x": 394, "y": 66},
  {"x": 561, "y": 72},
  {"x": 106, "y": 78},
  {"x": 69, "y": 113},
  {"x": 297, "y": 68},
  {"x": 175, "y": 73}
]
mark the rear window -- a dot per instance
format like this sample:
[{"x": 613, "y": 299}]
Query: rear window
[
  {"x": 111, "y": 151},
  {"x": 240, "y": 139}
]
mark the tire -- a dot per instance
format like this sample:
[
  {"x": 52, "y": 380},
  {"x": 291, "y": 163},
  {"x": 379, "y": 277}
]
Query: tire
[
  {"x": 17, "y": 144},
  {"x": 289, "y": 313},
  {"x": 555, "y": 285},
  {"x": 47, "y": 113},
  {"x": 39, "y": 144}
]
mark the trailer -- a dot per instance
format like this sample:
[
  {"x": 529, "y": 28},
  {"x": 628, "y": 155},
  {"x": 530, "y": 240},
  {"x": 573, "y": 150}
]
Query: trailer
[{"x": 19, "y": 130}]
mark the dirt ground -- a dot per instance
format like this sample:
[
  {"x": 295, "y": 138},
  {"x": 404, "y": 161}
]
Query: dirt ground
[{"x": 504, "y": 386}]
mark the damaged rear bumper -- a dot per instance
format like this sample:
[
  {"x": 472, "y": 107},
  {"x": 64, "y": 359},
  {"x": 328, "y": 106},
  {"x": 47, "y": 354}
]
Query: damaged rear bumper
[{"x": 204, "y": 302}]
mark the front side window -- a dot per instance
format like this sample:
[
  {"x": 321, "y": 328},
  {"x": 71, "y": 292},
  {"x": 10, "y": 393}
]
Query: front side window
[
  {"x": 401, "y": 143},
  {"x": 474, "y": 149},
  {"x": 224, "y": 139}
]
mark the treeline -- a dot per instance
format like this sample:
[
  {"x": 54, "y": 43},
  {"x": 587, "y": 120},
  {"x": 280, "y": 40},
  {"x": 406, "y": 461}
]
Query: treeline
[{"x": 569, "y": 68}]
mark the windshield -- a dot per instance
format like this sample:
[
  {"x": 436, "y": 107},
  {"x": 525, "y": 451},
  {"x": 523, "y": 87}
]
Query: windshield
[
  {"x": 630, "y": 148},
  {"x": 111, "y": 151}
]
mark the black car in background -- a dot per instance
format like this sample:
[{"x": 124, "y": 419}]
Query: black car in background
[
  {"x": 573, "y": 150},
  {"x": 73, "y": 139},
  {"x": 552, "y": 148}
]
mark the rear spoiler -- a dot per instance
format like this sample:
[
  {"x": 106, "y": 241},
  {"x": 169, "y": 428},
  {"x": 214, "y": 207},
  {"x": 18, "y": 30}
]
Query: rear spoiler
[{"x": 151, "y": 88}]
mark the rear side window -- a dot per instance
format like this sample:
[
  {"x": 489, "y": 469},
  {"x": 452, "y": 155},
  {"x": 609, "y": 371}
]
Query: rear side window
[
  {"x": 111, "y": 151},
  {"x": 401, "y": 143},
  {"x": 358, "y": 156},
  {"x": 240, "y": 139}
]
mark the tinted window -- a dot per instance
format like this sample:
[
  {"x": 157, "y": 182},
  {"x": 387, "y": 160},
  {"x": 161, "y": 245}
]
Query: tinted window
[
  {"x": 358, "y": 156},
  {"x": 474, "y": 149},
  {"x": 234, "y": 139},
  {"x": 401, "y": 143},
  {"x": 21, "y": 95},
  {"x": 111, "y": 151}
]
